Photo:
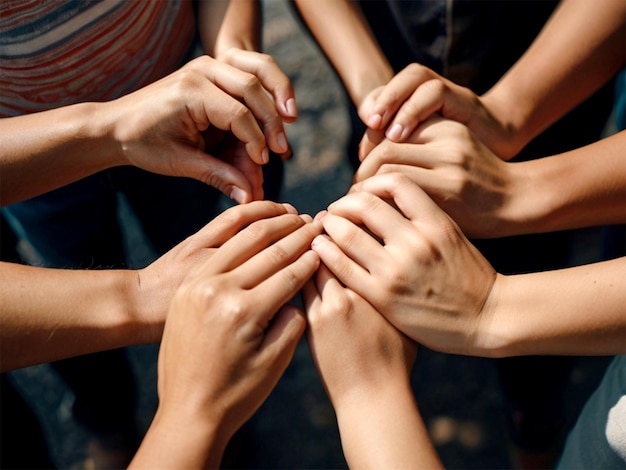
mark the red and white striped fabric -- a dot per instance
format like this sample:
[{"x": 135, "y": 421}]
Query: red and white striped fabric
[{"x": 59, "y": 52}]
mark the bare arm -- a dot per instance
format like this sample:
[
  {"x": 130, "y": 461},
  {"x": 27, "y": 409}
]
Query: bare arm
[
  {"x": 240, "y": 26},
  {"x": 344, "y": 36},
  {"x": 491, "y": 198},
  {"x": 578, "y": 50},
  {"x": 50, "y": 314},
  {"x": 420, "y": 271},
  {"x": 581, "y": 47},
  {"x": 163, "y": 128},
  {"x": 577, "y": 311},
  {"x": 365, "y": 365},
  {"x": 228, "y": 338}
]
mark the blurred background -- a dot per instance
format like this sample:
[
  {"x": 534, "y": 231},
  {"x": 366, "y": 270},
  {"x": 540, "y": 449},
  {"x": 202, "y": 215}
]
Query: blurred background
[{"x": 296, "y": 428}]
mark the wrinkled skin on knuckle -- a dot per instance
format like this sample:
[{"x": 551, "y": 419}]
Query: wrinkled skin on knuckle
[
  {"x": 435, "y": 86},
  {"x": 251, "y": 85}
]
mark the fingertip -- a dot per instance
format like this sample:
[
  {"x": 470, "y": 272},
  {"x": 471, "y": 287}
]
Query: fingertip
[
  {"x": 374, "y": 121},
  {"x": 265, "y": 156},
  {"x": 395, "y": 132},
  {"x": 289, "y": 208},
  {"x": 239, "y": 195},
  {"x": 281, "y": 139},
  {"x": 320, "y": 215},
  {"x": 290, "y": 108}
]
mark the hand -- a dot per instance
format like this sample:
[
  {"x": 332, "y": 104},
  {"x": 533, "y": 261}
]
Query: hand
[
  {"x": 468, "y": 181},
  {"x": 365, "y": 365},
  {"x": 416, "y": 93},
  {"x": 412, "y": 263},
  {"x": 161, "y": 128},
  {"x": 224, "y": 346},
  {"x": 158, "y": 282},
  {"x": 355, "y": 350}
]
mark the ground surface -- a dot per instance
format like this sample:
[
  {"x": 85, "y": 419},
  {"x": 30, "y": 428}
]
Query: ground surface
[{"x": 459, "y": 397}]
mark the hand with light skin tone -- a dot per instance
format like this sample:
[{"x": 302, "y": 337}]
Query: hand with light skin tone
[
  {"x": 580, "y": 48},
  {"x": 391, "y": 244},
  {"x": 365, "y": 363},
  {"x": 236, "y": 41},
  {"x": 488, "y": 197},
  {"x": 196, "y": 122},
  {"x": 412, "y": 264},
  {"x": 228, "y": 338},
  {"x": 51, "y": 314}
]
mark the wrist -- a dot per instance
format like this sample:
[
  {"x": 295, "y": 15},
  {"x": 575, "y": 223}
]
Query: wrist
[
  {"x": 178, "y": 438},
  {"x": 510, "y": 118}
]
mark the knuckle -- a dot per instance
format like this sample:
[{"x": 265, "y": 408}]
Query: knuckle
[{"x": 251, "y": 84}]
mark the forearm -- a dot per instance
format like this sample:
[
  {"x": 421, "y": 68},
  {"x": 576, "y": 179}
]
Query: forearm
[
  {"x": 383, "y": 429},
  {"x": 579, "y": 50},
  {"x": 240, "y": 27},
  {"x": 43, "y": 151},
  {"x": 50, "y": 314},
  {"x": 582, "y": 188},
  {"x": 344, "y": 36},
  {"x": 180, "y": 440},
  {"x": 575, "y": 311}
]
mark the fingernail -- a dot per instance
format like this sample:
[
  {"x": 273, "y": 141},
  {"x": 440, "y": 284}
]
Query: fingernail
[
  {"x": 290, "y": 107},
  {"x": 374, "y": 121},
  {"x": 238, "y": 194},
  {"x": 320, "y": 215},
  {"x": 290, "y": 209},
  {"x": 395, "y": 133},
  {"x": 318, "y": 241},
  {"x": 282, "y": 142},
  {"x": 265, "y": 155}
]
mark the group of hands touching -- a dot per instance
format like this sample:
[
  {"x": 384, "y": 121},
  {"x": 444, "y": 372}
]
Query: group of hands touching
[
  {"x": 384, "y": 268},
  {"x": 380, "y": 270}
]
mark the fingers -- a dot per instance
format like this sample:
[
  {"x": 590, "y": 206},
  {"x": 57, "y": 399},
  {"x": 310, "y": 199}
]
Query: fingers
[
  {"x": 253, "y": 239},
  {"x": 370, "y": 140},
  {"x": 391, "y": 153},
  {"x": 267, "y": 266},
  {"x": 249, "y": 88},
  {"x": 380, "y": 107},
  {"x": 272, "y": 77},
  {"x": 409, "y": 198},
  {"x": 223, "y": 227},
  {"x": 427, "y": 99},
  {"x": 341, "y": 265},
  {"x": 226, "y": 178}
]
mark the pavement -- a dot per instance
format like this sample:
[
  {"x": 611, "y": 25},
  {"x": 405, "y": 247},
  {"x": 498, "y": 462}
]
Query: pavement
[{"x": 460, "y": 397}]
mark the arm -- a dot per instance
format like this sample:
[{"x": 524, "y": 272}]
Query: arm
[
  {"x": 343, "y": 34},
  {"x": 578, "y": 50},
  {"x": 365, "y": 366},
  {"x": 490, "y": 198},
  {"x": 163, "y": 128},
  {"x": 228, "y": 338},
  {"x": 50, "y": 314},
  {"x": 428, "y": 280},
  {"x": 581, "y": 47}
]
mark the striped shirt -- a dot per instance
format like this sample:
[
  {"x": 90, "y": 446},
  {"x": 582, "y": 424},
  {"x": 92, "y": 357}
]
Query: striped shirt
[{"x": 59, "y": 52}]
